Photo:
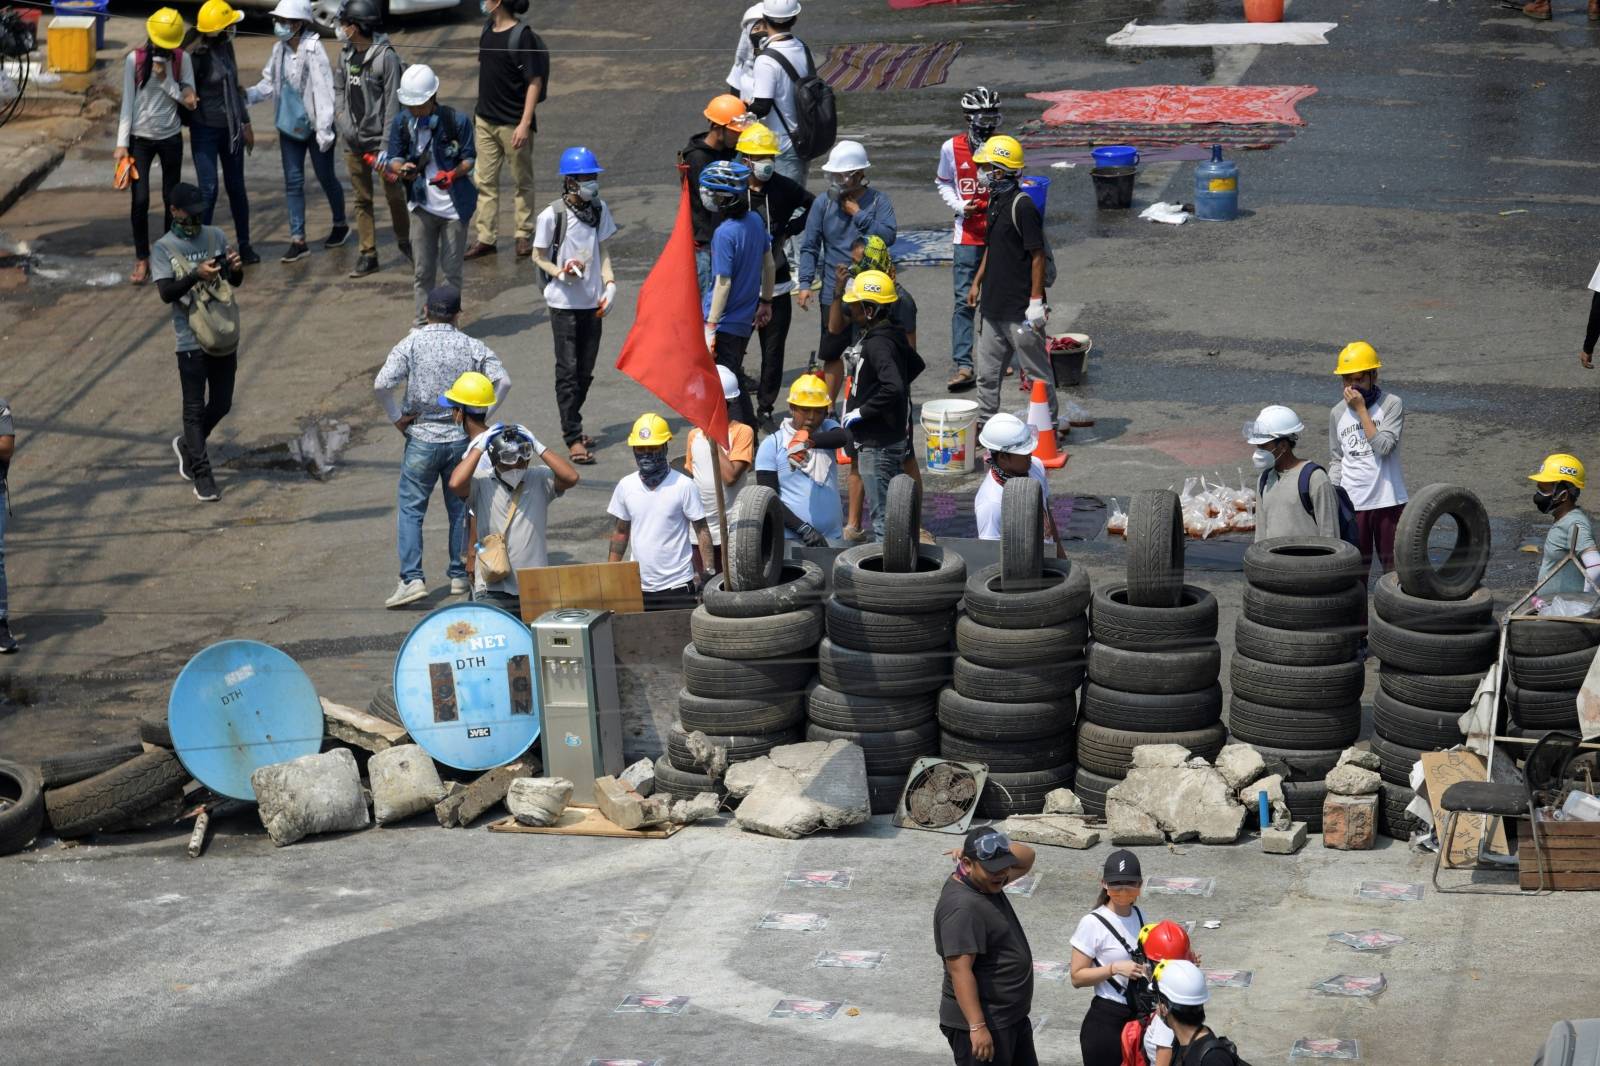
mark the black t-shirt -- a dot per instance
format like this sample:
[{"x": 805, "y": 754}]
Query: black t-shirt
[
  {"x": 505, "y": 72},
  {"x": 969, "y": 922},
  {"x": 1008, "y": 277}
]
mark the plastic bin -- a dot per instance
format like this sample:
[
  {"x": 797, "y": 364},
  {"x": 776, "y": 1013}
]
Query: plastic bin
[
  {"x": 1113, "y": 186},
  {"x": 1116, "y": 155},
  {"x": 1038, "y": 189},
  {"x": 950, "y": 427},
  {"x": 69, "y": 44},
  {"x": 97, "y": 8}
]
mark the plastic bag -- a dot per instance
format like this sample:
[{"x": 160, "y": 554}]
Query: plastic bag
[
  {"x": 1572, "y": 605},
  {"x": 1117, "y": 524}
]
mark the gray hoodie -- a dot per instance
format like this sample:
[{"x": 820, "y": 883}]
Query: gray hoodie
[{"x": 366, "y": 94}]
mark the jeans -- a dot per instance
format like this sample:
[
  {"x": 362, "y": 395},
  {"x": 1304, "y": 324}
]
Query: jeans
[
  {"x": 791, "y": 166},
  {"x": 996, "y": 345},
  {"x": 967, "y": 258},
  {"x": 1375, "y": 536},
  {"x": 5, "y": 514},
  {"x": 773, "y": 337},
  {"x": 728, "y": 350},
  {"x": 209, "y": 146},
  {"x": 577, "y": 343},
  {"x": 878, "y": 464},
  {"x": 361, "y": 183},
  {"x": 438, "y": 246},
  {"x": 294, "y": 182},
  {"x": 144, "y": 151},
  {"x": 494, "y": 151},
  {"x": 702, "y": 268},
  {"x": 207, "y": 382},
  {"x": 424, "y": 464}
]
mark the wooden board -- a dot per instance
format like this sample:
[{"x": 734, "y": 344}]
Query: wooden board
[
  {"x": 602, "y": 586},
  {"x": 1441, "y": 769},
  {"x": 585, "y": 822},
  {"x": 1561, "y": 882}
]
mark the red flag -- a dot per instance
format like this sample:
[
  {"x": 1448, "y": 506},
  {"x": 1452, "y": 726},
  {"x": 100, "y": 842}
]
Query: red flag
[{"x": 666, "y": 348}]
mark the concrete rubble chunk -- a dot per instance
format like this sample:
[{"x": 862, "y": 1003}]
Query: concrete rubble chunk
[
  {"x": 1240, "y": 764},
  {"x": 1367, "y": 760},
  {"x": 1350, "y": 823},
  {"x": 1056, "y": 830},
  {"x": 1272, "y": 785},
  {"x": 706, "y": 755},
  {"x": 1186, "y": 802},
  {"x": 1062, "y": 801},
  {"x": 621, "y": 805},
  {"x": 703, "y": 805},
  {"x": 1159, "y": 755},
  {"x": 404, "y": 782},
  {"x": 466, "y": 805},
  {"x": 538, "y": 801},
  {"x": 641, "y": 777},
  {"x": 308, "y": 795},
  {"x": 1352, "y": 780},
  {"x": 1283, "y": 841},
  {"x": 798, "y": 789},
  {"x": 1131, "y": 826}
]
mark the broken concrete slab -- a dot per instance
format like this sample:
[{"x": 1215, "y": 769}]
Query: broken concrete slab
[
  {"x": 1186, "y": 802},
  {"x": 404, "y": 782},
  {"x": 706, "y": 755},
  {"x": 641, "y": 777},
  {"x": 1353, "y": 780},
  {"x": 1062, "y": 801},
  {"x": 1367, "y": 760},
  {"x": 1056, "y": 830},
  {"x": 701, "y": 806},
  {"x": 360, "y": 729},
  {"x": 1272, "y": 785},
  {"x": 1130, "y": 826},
  {"x": 1283, "y": 841},
  {"x": 621, "y": 805},
  {"x": 1350, "y": 823},
  {"x": 1240, "y": 764},
  {"x": 1149, "y": 756},
  {"x": 798, "y": 789},
  {"x": 463, "y": 807},
  {"x": 308, "y": 795},
  {"x": 538, "y": 801}
]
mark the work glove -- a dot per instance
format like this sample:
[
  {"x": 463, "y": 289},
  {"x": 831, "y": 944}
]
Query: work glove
[
  {"x": 538, "y": 445},
  {"x": 851, "y": 418},
  {"x": 606, "y": 298},
  {"x": 711, "y": 335},
  {"x": 572, "y": 268},
  {"x": 812, "y": 537},
  {"x": 481, "y": 441},
  {"x": 800, "y": 449},
  {"x": 444, "y": 179},
  {"x": 1035, "y": 314}
]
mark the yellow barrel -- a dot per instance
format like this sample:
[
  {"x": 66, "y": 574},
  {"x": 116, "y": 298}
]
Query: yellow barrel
[{"x": 70, "y": 44}]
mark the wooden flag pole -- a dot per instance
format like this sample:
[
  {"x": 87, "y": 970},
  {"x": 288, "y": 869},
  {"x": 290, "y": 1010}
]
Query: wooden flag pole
[{"x": 722, "y": 507}]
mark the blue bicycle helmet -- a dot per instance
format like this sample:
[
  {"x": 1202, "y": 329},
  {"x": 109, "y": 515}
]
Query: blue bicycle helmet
[
  {"x": 579, "y": 160},
  {"x": 725, "y": 176}
]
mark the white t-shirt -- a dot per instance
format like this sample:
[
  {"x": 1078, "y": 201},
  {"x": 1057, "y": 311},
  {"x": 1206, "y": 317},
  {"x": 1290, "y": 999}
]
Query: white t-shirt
[
  {"x": 986, "y": 503},
  {"x": 769, "y": 81},
  {"x": 1095, "y": 940},
  {"x": 1157, "y": 1035},
  {"x": 661, "y": 537},
  {"x": 580, "y": 241},
  {"x": 439, "y": 202},
  {"x": 1594, "y": 282},
  {"x": 1372, "y": 481}
]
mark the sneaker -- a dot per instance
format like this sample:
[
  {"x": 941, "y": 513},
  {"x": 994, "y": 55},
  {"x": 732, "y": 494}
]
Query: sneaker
[
  {"x": 854, "y": 534},
  {"x": 8, "y": 643},
  {"x": 405, "y": 250},
  {"x": 297, "y": 251},
  {"x": 337, "y": 236},
  {"x": 367, "y": 264},
  {"x": 407, "y": 592},
  {"x": 524, "y": 247},
  {"x": 249, "y": 256},
  {"x": 205, "y": 489},
  {"x": 183, "y": 458},
  {"x": 459, "y": 586}
]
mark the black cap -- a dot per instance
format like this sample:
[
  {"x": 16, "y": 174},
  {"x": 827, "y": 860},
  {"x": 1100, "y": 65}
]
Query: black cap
[
  {"x": 444, "y": 301},
  {"x": 188, "y": 198},
  {"x": 1000, "y": 858},
  {"x": 1122, "y": 868}
]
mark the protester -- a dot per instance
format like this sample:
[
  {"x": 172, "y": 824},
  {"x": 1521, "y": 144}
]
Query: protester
[
  {"x": 781, "y": 60},
  {"x": 469, "y": 400},
  {"x": 782, "y": 204},
  {"x": 367, "y": 101},
  {"x": 157, "y": 79},
  {"x": 421, "y": 368},
  {"x": 988, "y": 964},
  {"x": 880, "y": 416},
  {"x": 1009, "y": 288},
  {"x": 728, "y": 119},
  {"x": 957, "y": 181},
  {"x": 1102, "y": 955},
  {"x": 298, "y": 79},
  {"x": 221, "y": 133},
  {"x": 1364, "y": 445},
  {"x": 570, "y": 247},
  {"x": 850, "y": 211},
  {"x": 731, "y": 465},
  {"x": 1161, "y": 942},
  {"x": 657, "y": 509},
  {"x": 797, "y": 462},
  {"x": 513, "y": 75},
  {"x": 431, "y": 149},
  {"x": 1010, "y": 442},
  {"x": 742, "y": 74},
  {"x": 8, "y": 448},
  {"x": 742, "y": 273},
  {"x": 190, "y": 256},
  {"x": 509, "y": 500},
  {"x": 1571, "y": 560},
  {"x": 1181, "y": 996},
  {"x": 1296, "y": 497}
]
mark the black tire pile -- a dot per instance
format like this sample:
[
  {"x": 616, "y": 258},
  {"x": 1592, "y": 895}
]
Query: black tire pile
[
  {"x": 1549, "y": 661},
  {"x": 107, "y": 789},
  {"x": 1434, "y": 634},
  {"x": 1019, "y": 663},
  {"x": 887, "y": 650},
  {"x": 1296, "y": 674},
  {"x": 1154, "y": 661},
  {"x": 752, "y": 650}
]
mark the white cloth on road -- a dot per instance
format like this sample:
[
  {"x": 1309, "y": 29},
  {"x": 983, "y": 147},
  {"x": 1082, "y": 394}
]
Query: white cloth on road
[
  {"x": 1204, "y": 35},
  {"x": 1172, "y": 214}
]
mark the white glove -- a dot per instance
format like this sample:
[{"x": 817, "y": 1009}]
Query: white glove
[
  {"x": 851, "y": 418},
  {"x": 606, "y": 298},
  {"x": 1035, "y": 314},
  {"x": 481, "y": 441},
  {"x": 538, "y": 447},
  {"x": 572, "y": 268},
  {"x": 711, "y": 335}
]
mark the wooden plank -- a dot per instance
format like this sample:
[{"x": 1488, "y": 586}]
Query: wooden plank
[
  {"x": 613, "y": 586},
  {"x": 580, "y": 585},
  {"x": 538, "y": 591},
  {"x": 1571, "y": 829},
  {"x": 1561, "y": 882},
  {"x": 620, "y": 590},
  {"x": 1441, "y": 769},
  {"x": 1566, "y": 862},
  {"x": 360, "y": 729},
  {"x": 585, "y": 822}
]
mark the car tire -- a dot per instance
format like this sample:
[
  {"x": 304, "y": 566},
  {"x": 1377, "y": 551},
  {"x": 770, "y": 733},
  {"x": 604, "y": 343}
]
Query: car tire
[
  {"x": 1345, "y": 610},
  {"x": 1552, "y": 673},
  {"x": 1462, "y": 570},
  {"x": 1155, "y": 549},
  {"x": 1304, "y": 800},
  {"x": 153, "y": 727},
  {"x": 849, "y": 712},
  {"x": 800, "y": 585},
  {"x": 734, "y": 716},
  {"x": 1548, "y": 637},
  {"x": 851, "y": 627},
  {"x": 1008, "y": 756},
  {"x": 683, "y": 784},
  {"x": 1436, "y": 653},
  {"x": 1156, "y": 673},
  {"x": 1091, "y": 789},
  {"x": 743, "y": 679},
  {"x": 58, "y": 770},
  {"x": 886, "y": 674},
  {"x": 777, "y": 636},
  {"x": 1414, "y": 727},
  {"x": 1120, "y": 624},
  {"x": 114, "y": 796},
  {"x": 902, "y": 524},
  {"x": 1294, "y": 647},
  {"x": 884, "y": 791},
  {"x": 887, "y": 753},
  {"x": 988, "y": 720},
  {"x": 1024, "y": 793},
  {"x": 860, "y": 580},
  {"x": 1296, "y": 687},
  {"x": 1394, "y": 604},
  {"x": 1021, "y": 534},
  {"x": 1302, "y": 565},
  {"x": 754, "y": 556},
  {"x": 1533, "y": 709},
  {"x": 741, "y": 748},
  {"x": 1171, "y": 712},
  {"x": 1434, "y": 692},
  {"x": 1061, "y": 595},
  {"x": 1395, "y": 760},
  {"x": 23, "y": 816},
  {"x": 1297, "y": 764},
  {"x": 1299, "y": 727},
  {"x": 1110, "y": 751},
  {"x": 1017, "y": 684},
  {"x": 989, "y": 646},
  {"x": 1394, "y": 821}
]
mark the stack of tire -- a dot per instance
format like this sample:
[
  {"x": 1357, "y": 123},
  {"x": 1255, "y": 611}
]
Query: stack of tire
[
  {"x": 887, "y": 651},
  {"x": 1019, "y": 664},
  {"x": 111, "y": 788},
  {"x": 1154, "y": 659},
  {"x": 752, "y": 650},
  {"x": 1434, "y": 634},
  {"x": 1549, "y": 661},
  {"x": 1296, "y": 673}
]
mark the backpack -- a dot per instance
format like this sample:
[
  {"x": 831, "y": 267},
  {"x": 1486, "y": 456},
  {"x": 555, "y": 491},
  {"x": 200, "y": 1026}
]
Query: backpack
[
  {"x": 1201, "y": 1053},
  {"x": 816, "y": 122},
  {"x": 1347, "y": 509},
  {"x": 1049, "y": 254},
  {"x": 213, "y": 314}
]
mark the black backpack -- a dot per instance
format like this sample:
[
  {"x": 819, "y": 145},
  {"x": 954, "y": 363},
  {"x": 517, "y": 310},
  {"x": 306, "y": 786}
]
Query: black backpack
[
  {"x": 1211, "y": 1050},
  {"x": 1347, "y": 509},
  {"x": 1049, "y": 253},
  {"x": 816, "y": 122},
  {"x": 1136, "y": 990}
]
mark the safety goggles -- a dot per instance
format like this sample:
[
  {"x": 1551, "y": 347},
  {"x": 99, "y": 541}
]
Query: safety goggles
[{"x": 989, "y": 845}]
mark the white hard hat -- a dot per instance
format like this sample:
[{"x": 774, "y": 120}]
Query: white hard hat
[
  {"x": 752, "y": 14},
  {"x": 1273, "y": 422},
  {"x": 418, "y": 84},
  {"x": 1008, "y": 433},
  {"x": 846, "y": 158},
  {"x": 1182, "y": 982},
  {"x": 780, "y": 9},
  {"x": 730, "y": 383},
  {"x": 294, "y": 11}
]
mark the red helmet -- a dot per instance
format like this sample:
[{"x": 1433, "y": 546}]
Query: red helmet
[{"x": 1164, "y": 940}]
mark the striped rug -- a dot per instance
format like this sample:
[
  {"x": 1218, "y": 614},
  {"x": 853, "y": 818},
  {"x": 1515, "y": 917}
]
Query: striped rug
[{"x": 877, "y": 67}]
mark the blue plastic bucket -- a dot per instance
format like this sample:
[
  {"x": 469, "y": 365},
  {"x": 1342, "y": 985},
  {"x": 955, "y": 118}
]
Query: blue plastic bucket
[
  {"x": 1116, "y": 155},
  {"x": 1038, "y": 190},
  {"x": 96, "y": 8}
]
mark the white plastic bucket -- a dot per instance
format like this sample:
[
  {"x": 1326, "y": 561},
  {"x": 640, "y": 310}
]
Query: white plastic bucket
[{"x": 952, "y": 442}]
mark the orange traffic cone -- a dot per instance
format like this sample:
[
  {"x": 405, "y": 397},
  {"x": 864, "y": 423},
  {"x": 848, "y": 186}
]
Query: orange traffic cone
[{"x": 1039, "y": 418}]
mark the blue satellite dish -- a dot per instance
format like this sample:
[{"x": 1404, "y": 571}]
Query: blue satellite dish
[
  {"x": 238, "y": 706},
  {"x": 465, "y": 688}
]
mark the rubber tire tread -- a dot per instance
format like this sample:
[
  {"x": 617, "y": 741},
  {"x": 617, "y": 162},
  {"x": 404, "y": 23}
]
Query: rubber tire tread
[
  {"x": 1539, "y": 637},
  {"x": 1116, "y": 622},
  {"x": 1434, "y": 692},
  {"x": 742, "y": 717},
  {"x": 754, "y": 556},
  {"x": 1296, "y": 687},
  {"x": 849, "y": 712},
  {"x": 380, "y": 706},
  {"x": 680, "y": 784},
  {"x": 1018, "y": 684},
  {"x": 1023, "y": 793},
  {"x": 153, "y": 730},
  {"x": 1394, "y": 604},
  {"x": 1532, "y": 709},
  {"x": 1008, "y": 756},
  {"x": 989, "y": 646},
  {"x": 1110, "y": 751},
  {"x": 21, "y": 822},
  {"x": 1433, "y": 653},
  {"x": 883, "y": 792},
  {"x": 851, "y": 627},
  {"x": 902, "y": 524},
  {"x": 1304, "y": 800},
  {"x": 1415, "y": 727},
  {"x": 1021, "y": 534},
  {"x": 1169, "y": 712},
  {"x": 735, "y": 679},
  {"x": 776, "y": 636},
  {"x": 109, "y": 798},
  {"x": 1310, "y": 764},
  {"x": 1294, "y": 647},
  {"x": 870, "y": 673},
  {"x": 1057, "y": 599},
  {"x": 1091, "y": 789},
  {"x": 936, "y": 585},
  {"x": 1156, "y": 673},
  {"x": 1395, "y": 760},
  {"x": 988, "y": 720},
  {"x": 1552, "y": 673},
  {"x": 1462, "y": 571},
  {"x": 73, "y": 766},
  {"x": 1345, "y": 610},
  {"x": 1284, "y": 727},
  {"x": 886, "y": 753},
  {"x": 1393, "y": 821},
  {"x": 1301, "y": 565},
  {"x": 1155, "y": 549},
  {"x": 741, "y": 748},
  {"x": 800, "y": 585}
]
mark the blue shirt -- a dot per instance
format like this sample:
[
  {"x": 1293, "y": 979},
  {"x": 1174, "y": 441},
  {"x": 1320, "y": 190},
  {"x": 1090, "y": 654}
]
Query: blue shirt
[
  {"x": 830, "y": 232},
  {"x": 812, "y": 501},
  {"x": 737, "y": 248}
]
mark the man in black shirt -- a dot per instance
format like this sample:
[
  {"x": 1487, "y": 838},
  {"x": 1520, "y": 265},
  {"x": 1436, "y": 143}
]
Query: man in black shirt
[
  {"x": 782, "y": 203},
  {"x": 513, "y": 72},
  {"x": 988, "y": 965},
  {"x": 879, "y": 417},
  {"x": 728, "y": 119},
  {"x": 219, "y": 132}
]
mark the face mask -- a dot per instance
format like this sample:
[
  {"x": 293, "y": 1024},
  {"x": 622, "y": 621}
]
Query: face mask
[
  {"x": 708, "y": 200},
  {"x": 653, "y": 467},
  {"x": 1545, "y": 501},
  {"x": 341, "y": 33},
  {"x": 160, "y": 55},
  {"x": 483, "y": 6},
  {"x": 1370, "y": 396},
  {"x": 186, "y": 227},
  {"x": 762, "y": 169},
  {"x": 758, "y": 40},
  {"x": 1263, "y": 459},
  {"x": 588, "y": 190},
  {"x": 282, "y": 31},
  {"x": 513, "y": 475},
  {"x": 985, "y": 179},
  {"x": 1000, "y": 475}
]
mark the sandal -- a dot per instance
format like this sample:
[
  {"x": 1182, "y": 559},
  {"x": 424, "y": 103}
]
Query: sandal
[
  {"x": 578, "y": 452},
  {"x": 588, "y": 441},
  {"x": 141, "y": 273}
]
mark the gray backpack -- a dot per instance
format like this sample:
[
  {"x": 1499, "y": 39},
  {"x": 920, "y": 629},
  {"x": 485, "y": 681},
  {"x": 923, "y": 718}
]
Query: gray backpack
[{"x": 213, "y": 314}]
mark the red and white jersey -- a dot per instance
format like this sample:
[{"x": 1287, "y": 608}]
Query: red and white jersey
[{"x": 957, "y": 180}]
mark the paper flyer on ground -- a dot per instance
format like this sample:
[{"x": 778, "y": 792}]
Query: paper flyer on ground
[
  {"x": 820, "y": 1010},
  {"x": 793, "y": 922},
  {"x": 651, "y": 1003},
  {"x": 1367, "y": 939},
  {"x": 1181, "y": 886},
  {"x": 1050, "y": 971},
  {"x": 1228, "y": 978},
  {"x": 1408, "y": 891},
  {"x": 852, "y": 960},
  {"x": 1346, "y": 984},
  {"x": 1024, "y": 886},
  {"x": 818, "y": 879},
  {"x": 1310, "y": 1047}
]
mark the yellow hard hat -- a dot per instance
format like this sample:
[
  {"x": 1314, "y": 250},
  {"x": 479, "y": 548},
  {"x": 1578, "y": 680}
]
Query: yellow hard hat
[
  {"x": 1356, "y": 357},
  {"x": 165, "y": 28},
  {"x": 471, "y": 389},
  {"x": 1001, "y": 151},
  {"x": 1559, "y": 467},
  {"x": 649, "y": 431},
  {"x": 215, "y": 16},
  {"x": 809, "y": 390},
  {"x": 757, "y": 140},
  {"x": 873, "y": 286}
]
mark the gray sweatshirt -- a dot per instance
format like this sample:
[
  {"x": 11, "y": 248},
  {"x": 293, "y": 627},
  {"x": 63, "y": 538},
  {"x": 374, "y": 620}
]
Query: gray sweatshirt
[
  {"x": 366, "y": 91},
  {"x": 1281, "y": 513},
  {"x": 151, "y": 111}
]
